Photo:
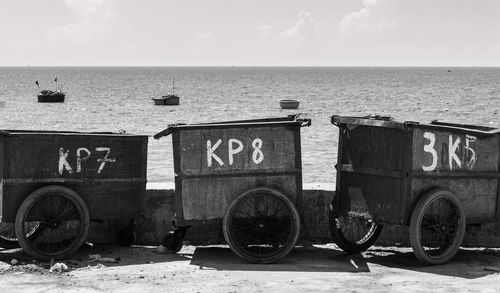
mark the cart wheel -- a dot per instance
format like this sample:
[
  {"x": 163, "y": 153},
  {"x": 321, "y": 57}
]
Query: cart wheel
[
  {"x": 8, "y": 238},
  {"x": 437, "y": 227},
  {"x": 62, "y": 218},
  {"x": 353, "y": 233},
  {"x": 174, "y": 240},
  {"x": 261, "y": 226}
]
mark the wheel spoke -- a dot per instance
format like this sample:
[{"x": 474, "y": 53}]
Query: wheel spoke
[
  {"x": 442, "y": 224},
  {"x": 56, "y": 220},
  {"x": 264, "y": 233}
]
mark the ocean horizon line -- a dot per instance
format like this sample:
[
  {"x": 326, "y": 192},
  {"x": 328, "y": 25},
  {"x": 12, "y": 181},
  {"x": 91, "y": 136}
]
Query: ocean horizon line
[{"x": 249, "y": 66}]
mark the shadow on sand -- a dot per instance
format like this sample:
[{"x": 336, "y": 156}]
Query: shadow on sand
[
  {"x": 468, "y": 263},
  {"x": 307, "y": 259},
  {"x": 124, "y": 256}
]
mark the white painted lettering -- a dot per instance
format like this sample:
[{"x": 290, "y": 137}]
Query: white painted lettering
[
  {"x": 452, "y": 148},
  {"x": 473, "y": 156},
  {"x": 257, "y": 155},
  {"x": 211, "y": 154},
  {"x": 63, "y": 163},
  {"x": 232, "y": 151},
  {"x": 79, "y": 158},
  {"x": 104, "y": 160},
  {"x": 429, "y": 148}
]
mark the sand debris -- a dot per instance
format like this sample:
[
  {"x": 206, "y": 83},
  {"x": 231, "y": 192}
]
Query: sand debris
[
  {"x": 99, "y": 258},
  {"x": 58, "y": 268}
]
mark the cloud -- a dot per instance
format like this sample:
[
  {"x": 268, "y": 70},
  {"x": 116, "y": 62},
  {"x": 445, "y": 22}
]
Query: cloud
[
  {"x": 78, "y": 33},
  {"x": 205, "y": 37},
  {"x": 267, "y": 32},
  {"x": 363, "y": 20},
  {"x": 87, "y": 10},
  {"x": 303, "y": 30},
  {"x": 90, "y": 15}
]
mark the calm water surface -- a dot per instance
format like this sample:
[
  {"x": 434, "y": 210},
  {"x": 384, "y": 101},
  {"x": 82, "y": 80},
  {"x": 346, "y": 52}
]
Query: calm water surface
[{"x": 115, "y": 98}]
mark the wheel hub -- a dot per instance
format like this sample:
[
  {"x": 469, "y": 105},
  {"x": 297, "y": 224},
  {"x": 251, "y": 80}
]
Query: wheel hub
[{"x": 53, "y": 224}]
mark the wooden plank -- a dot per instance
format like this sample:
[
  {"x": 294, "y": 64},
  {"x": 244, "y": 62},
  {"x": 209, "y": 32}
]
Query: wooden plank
[
  {"x": 372, "y": 170},
  {"x": 56, "y": 156},
  {"x": 214, "y": 163},
  {"x": 104, "y": 200},
  {"x": 341, "y": 159},
  {"x": 107, "y": 170},
  {"x": 212, "y": 150},
  {"x": 377, "y": 196},
  {"x": 208, "y": 198},
  {"x": 477, "y": 195},
  {"x": 376, "y": 147},
  {"x": 16, "y": 181},
  {"x": 298, "y": 175},
  {"x": 2, "y": 172},
  {"x": 445, "y": 150}
]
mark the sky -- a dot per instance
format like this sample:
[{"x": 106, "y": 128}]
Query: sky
[{"x": 249, "y": 33}]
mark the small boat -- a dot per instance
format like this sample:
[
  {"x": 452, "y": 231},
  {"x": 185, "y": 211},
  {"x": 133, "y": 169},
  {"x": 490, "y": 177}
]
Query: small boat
[
  {"x": 49, "y": 96},
  {"x": 169, "y": 100},
  {"x": 289, "y": 104}
]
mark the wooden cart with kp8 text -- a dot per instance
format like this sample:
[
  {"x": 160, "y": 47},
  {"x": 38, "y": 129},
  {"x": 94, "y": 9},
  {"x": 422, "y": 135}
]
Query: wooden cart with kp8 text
[{"x": 245, "y": 174}]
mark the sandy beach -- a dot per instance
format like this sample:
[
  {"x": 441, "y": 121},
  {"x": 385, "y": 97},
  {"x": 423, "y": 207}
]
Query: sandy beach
[
  {"x": 414, "y": 61},
  {"x": 309, "y": 268}
]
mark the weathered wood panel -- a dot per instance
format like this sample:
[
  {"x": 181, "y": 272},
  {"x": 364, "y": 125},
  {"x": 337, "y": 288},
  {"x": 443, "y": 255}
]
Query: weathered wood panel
[
  {"x": 107, "y": 170},
  {"x": 386, "y": 167},
  {"x": 371, "y": 178},
  {"x": 478, "y": 196},
  {"x": 375, "y": 147},
  {"x": 209, "y": 151},
  {"x": 380, "y": 197},
  {"x": 214, "y": 163},
  {"x": 208, "y": 198},
  {"x": 104, "y": 200},
  {"x": 216, "y": 150},
  {"x": 74, "y": 156},
  {"x": 447, "y": 150}
]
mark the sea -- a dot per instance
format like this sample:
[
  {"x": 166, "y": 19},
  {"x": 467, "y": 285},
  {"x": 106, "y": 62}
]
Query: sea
[{"x": 120, "y": 98}]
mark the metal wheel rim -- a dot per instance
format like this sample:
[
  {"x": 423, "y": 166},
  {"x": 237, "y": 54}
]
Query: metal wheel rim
[
  {"x": 356, "y": 228},
  {"x": 439, "y": 227},
  {"x": 262, "y": 225},
  {"x": 8, "y": 232},
  {"x": 59, "y": 220}
]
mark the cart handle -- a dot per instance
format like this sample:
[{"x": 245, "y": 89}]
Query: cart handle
[
  {"x": 5, "y": 132},
  {"x": 303, "y": 121},
  {"x": 166, "y": 131},
  {"x": 370, "y": 120}
]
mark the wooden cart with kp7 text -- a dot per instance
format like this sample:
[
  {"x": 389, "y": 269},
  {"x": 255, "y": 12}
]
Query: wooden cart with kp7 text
[{"x": 54, "y": 183}]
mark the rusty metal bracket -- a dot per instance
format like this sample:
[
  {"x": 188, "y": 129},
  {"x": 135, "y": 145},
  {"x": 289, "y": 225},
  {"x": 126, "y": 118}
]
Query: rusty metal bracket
[{"x": 304, "y": 121}]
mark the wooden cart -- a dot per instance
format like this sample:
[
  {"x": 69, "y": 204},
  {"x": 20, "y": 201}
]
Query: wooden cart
[
  {"x": 435, "y": 178},
  {"x": 248, "y": 175},
  {"x": 54, "y": 183}
]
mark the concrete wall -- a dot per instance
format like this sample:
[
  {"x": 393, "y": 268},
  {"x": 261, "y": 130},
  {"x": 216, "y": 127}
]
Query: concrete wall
[{"x": 160, "y": 204}]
